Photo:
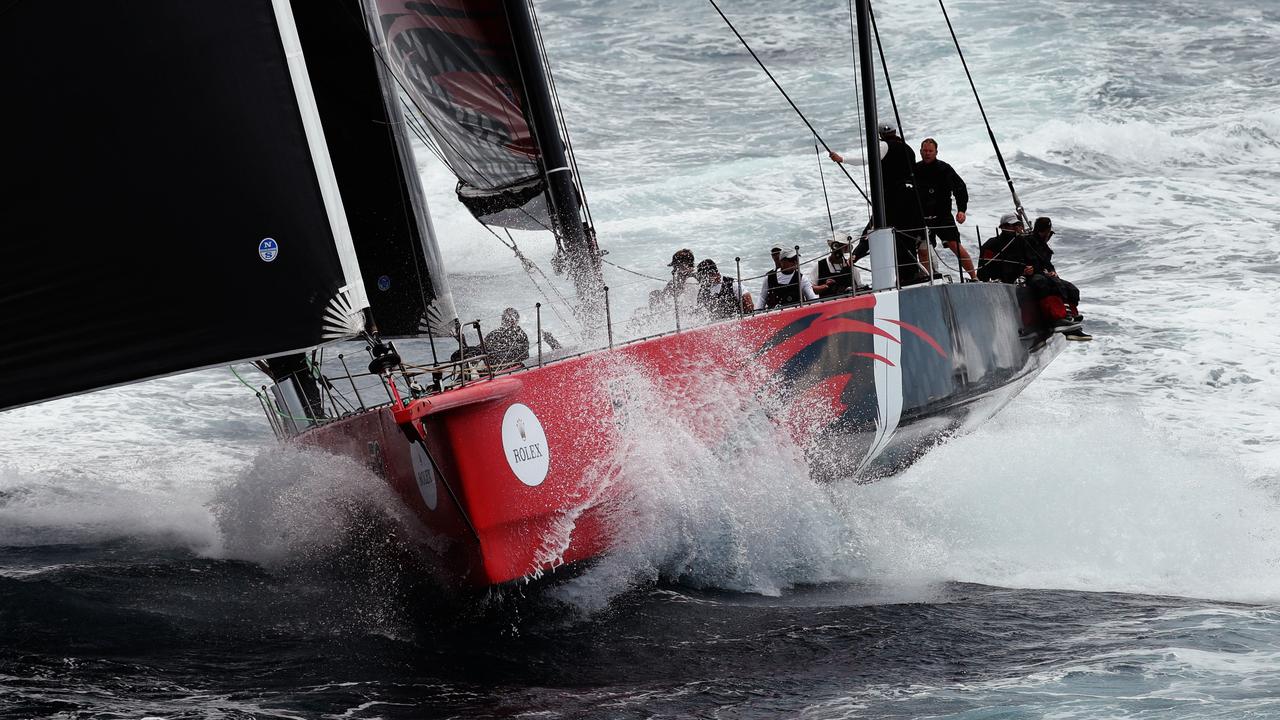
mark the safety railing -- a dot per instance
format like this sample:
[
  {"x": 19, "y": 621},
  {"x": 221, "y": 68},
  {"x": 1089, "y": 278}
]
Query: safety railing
[{"x": 338, "y": 385}]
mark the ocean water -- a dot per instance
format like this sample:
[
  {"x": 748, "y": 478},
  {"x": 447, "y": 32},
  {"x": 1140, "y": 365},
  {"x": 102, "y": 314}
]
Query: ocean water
[{"x": 1107, "y": 547}]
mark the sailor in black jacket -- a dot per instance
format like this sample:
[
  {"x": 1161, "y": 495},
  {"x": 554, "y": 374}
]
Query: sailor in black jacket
[
  {"x": 936, "y": 182},
  {"x": 902, "y": 205},
  {"x": 1001, "y": 257},
  {"x": 1057, "y": 297}
]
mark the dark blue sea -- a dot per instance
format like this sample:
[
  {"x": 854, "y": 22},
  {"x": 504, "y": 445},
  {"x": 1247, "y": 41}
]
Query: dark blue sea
[{"x": 1106, "y": 547}]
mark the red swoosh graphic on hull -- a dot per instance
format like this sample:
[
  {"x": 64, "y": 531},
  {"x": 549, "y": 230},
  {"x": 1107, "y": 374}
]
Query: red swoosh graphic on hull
[
  {"x": 874, "y": 356},
  {"x": 823, "y": 327},
  {"x": 920, "y": 334}
]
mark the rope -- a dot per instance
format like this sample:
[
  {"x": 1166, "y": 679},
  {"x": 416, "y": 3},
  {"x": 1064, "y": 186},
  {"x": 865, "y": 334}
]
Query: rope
[
  {"x": 564, "y": 127},
  {"x": 1017, "y": 203},
  {"x": 884, "y": 67},
  {"x": 529, "y": 268},
  {"x": 902, "y": 133},
  {"x": 787, "y": 97},
  {"x": 633, "y": 272},
  {"x": 822, "y": 176}
]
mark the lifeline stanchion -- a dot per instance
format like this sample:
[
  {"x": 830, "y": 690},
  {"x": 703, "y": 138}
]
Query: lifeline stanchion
[
  {"x": 537, "y": 314},
  {"x": 342, "y": 359},
  {"x": 488, "y": 362},
  {"x": 462, "y": 352},
  {"x": 675, "y": 303},
  {"x": 271, "y": 417},
  {"x": 977, "y": 231},
  {"x": 853, "y": 273},
  {"x": 799, "y": 277},
  {"x": 738, "y": 261},
  {"x": 431, "y": 338},
  {"x": 608, "y": 317}
]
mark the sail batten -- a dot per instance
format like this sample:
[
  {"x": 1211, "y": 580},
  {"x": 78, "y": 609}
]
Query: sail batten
[{"x": 320, "y": 159}]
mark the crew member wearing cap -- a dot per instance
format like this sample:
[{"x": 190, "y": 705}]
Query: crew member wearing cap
[
  {"x": 836, "y": 274},
  {"x": 679, "y": 289},
  {"x": 936, "y": 182},
  {"x": 1001, "y": 256},
  {"x": 786, "y": 284},
  {"x": 718, "y": 296},
  {"x": 901, "y": 205},
  {"x": 1057, "y": 297}
]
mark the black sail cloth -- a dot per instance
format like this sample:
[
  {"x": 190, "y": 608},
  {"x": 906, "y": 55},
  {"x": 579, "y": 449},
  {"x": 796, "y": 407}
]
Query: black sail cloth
[{"x": 168, "y": 204}]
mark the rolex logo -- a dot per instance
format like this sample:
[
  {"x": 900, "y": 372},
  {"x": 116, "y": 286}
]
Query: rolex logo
[{"x": 525, "y": 443}]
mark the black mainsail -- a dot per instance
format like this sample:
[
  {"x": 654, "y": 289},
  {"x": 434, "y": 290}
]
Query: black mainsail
[
  {"x": 170, "y": 200},
  {"x": 359, "y": 104}
]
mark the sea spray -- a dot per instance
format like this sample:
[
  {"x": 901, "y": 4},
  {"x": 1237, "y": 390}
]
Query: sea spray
[
  {"x": 711, "y": 490},
  {"x": 1055, "y": 495}
]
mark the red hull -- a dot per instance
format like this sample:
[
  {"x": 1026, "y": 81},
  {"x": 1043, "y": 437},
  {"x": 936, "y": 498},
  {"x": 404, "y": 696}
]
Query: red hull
[{"x": 508, "y": 507}]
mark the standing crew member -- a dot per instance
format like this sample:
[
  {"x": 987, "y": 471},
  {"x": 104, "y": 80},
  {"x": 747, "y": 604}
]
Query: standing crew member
[
  {"x": 936, "y": 182},
  {"x": 901, "y": 205},
  {"x": 785, "y": 285}
]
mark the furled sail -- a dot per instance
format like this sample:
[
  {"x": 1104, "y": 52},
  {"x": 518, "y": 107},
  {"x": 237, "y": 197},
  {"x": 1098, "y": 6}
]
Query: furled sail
[
  {"x": 170, "y": 203},
  {"x": 456, "y": 60},
  {"x": 373, "y": 158}
]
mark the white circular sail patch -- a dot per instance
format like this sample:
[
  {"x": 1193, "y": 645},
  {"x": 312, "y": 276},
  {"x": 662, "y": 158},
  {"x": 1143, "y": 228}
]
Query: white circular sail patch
[
  {"x": 525, "y": 444},
  {"x": 424, "y": 474}
]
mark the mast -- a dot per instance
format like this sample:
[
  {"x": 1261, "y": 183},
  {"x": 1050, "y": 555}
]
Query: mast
[
  {"x": 562, "y": 192},
  {"x": 872, "y": 122}
]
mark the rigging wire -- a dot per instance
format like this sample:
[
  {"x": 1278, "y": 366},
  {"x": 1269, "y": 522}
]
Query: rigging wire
[
  {"x": 1017, "y": 202},
  {"x": 884, "y": 66},
  {"x": 530, "y": 267},
  {"x": 633, "y": 272},
  {"x": 564, "y": 127},
  {"x": 787, "y": 97},
  {"x": 911, "y": 170},
  {"x": 822, "y": 176}
]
